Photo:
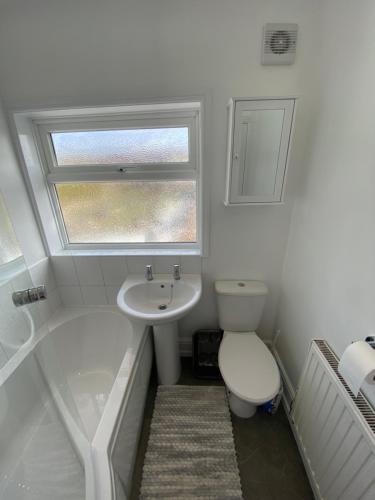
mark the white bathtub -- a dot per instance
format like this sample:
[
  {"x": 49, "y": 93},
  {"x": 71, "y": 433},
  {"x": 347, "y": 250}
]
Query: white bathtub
[{"x": 97, "y": 367}]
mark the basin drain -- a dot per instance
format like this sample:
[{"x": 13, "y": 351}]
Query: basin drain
[{"x": 162, "y": 307}]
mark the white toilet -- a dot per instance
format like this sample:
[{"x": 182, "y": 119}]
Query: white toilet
[{"x": 247, "y": 366}]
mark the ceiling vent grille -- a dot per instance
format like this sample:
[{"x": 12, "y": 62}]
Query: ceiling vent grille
[{"x": 279, "y": 43}]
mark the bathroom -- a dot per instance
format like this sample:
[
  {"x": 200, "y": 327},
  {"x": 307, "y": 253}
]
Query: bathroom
[{"x": 78, "y": 377}]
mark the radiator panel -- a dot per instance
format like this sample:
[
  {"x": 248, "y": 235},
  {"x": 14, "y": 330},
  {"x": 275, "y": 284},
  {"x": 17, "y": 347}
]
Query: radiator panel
[{"x": 335, "y": 430}]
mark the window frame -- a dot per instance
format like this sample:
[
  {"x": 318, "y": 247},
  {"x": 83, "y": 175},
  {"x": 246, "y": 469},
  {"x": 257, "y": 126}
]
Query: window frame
[{"x": 188, "y": 115}]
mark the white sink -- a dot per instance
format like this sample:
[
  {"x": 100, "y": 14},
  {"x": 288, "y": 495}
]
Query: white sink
[
  {"x": 161, "y": 300},
  {"x": 161, "y": 303}
]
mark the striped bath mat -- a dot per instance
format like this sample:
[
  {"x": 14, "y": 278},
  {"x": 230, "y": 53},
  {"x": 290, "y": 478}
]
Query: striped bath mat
[{"x": 190, "y": 452}]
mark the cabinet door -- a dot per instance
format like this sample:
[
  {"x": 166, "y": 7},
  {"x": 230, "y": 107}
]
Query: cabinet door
[{"x": 259, "y": 145}]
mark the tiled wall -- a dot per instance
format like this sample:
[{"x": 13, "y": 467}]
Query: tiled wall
[
  {"x": 95, "y": 280},
  {"x": 42, "y": 274},
  {"x": 92, "y": 280},
  {"x": 14, "y": 322},
  {"x": 83, "y": 280}
]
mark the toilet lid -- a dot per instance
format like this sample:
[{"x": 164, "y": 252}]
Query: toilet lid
[{"x": 248, "y": 368}]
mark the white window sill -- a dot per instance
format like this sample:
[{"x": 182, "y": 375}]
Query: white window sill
[{"x": 128, "y": 251}]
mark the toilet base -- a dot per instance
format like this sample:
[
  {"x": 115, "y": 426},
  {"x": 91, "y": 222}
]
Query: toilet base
[{"x": 239, "y": 407}]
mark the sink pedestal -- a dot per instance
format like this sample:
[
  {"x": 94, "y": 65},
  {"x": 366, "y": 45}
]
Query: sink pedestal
[
  {"x": 167, "y": 353},
  {"x": 160, "y": 303}
]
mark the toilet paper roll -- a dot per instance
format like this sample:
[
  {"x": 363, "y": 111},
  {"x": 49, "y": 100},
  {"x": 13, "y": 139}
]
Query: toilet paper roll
[{"x": 357, "y": 365}]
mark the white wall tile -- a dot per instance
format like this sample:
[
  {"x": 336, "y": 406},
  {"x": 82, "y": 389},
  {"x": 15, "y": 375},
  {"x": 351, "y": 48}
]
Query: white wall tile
[
  {"x": 191, "y": 264},
  {"x": 164, "y": 264},
  {"x": 114, "y": 269},
  {"x": 111, "y": 292},
  {"x": 204, "y": 314},
  {"x": 15, "y": 327},
  {"x": 44, "y": 310},
  {"x": 21, "y": 281},
  {"x": 54, "y": 300},
  {"x": 42, "y": 274},
  {"x": 64, "y": 270},
  {"x": 35, "y": 312},
  {"x": 71, "y": 296},
  {"x": 88, "y": 270},
  {"x": 50, "y": 305},
  {"x": 205, "y": 265},
  {"x": 94, "y": 295},
  {"x": 137, "y": 265},
  {"x": 3, "y": 357}
]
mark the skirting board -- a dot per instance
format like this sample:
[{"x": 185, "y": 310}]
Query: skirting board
[
  {"x": 302, "y": 455},
  {"x": 289, "y": 391},
  {"x": 288, "y": 396}
]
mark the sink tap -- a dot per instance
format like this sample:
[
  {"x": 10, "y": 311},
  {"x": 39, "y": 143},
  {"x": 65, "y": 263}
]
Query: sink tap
[
  {"x": 176, "y": 272},
  {"x": 149, "y": 276}
]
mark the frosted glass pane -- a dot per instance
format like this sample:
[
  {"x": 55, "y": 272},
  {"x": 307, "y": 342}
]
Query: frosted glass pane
[
  {"x": 9, "y": 248},
  {"x": 129, "y": 212},
  {"x": 102, "y": 147}
]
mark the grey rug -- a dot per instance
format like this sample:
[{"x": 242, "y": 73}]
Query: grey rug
[{"x": 190, "y": 452}]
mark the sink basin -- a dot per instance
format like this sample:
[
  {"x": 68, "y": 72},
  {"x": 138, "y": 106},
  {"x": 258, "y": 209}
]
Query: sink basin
[
  {"x": 161, "y": 300},
  {"x": 160, "y": 303}
]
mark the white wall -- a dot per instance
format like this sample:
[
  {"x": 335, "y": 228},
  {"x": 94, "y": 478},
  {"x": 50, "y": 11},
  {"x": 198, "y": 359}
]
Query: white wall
[
  {"x": 328, "y": 280},
  {"x": 85, "y": 52},
  {"x": 16, "y": 198}
]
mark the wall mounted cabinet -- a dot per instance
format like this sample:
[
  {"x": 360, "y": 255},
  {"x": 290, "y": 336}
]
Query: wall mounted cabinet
[{"x": 259, "y": 135}]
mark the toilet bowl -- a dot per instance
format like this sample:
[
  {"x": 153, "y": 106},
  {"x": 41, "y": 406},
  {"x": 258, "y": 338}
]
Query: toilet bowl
[
  {"x": 248, "y": 368},
  {"x": 249, "y": 371}
]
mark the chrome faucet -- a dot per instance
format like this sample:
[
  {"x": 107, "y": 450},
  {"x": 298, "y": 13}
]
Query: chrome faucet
[
  {"x": 30, "y": 295},
  {"x": 176, "y": 272},
  {"x": 149, "y": 276}
]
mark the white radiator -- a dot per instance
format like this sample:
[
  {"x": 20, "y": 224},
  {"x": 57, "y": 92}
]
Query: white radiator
[{"x": 335, "y": 430}]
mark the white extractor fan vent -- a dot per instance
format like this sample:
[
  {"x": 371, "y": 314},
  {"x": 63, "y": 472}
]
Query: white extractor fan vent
[{"x": 279, "y": 43}]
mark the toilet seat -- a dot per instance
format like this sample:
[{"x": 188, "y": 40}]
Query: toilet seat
[{"x": 248, "y": 368}]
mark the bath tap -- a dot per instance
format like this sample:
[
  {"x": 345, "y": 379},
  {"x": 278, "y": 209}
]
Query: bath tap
[
  {"x": 149, "y": 276},
  {"x": 176, "y": 272},
  {"x": 30, "y": 295}
]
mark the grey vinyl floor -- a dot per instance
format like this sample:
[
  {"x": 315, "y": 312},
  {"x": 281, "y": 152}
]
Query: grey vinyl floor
[{"x": 268, "y": 458}]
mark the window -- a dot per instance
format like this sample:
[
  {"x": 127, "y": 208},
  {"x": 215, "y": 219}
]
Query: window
[{"x": 129, "y": 179}]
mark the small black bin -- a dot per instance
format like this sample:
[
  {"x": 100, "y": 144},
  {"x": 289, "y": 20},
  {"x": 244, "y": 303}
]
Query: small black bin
[{"x": 206, "y": 345}]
